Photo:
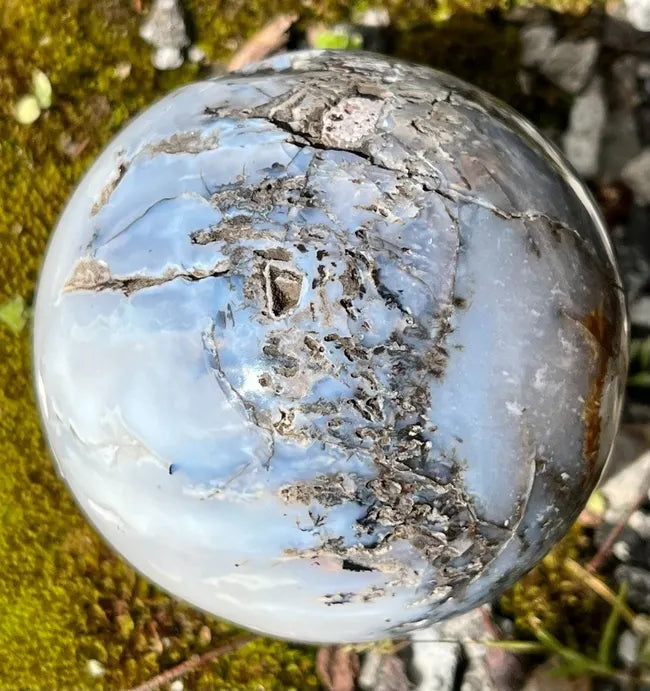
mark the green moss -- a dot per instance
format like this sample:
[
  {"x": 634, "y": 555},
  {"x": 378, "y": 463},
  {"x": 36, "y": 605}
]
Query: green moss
[
  {"x": 560, "y": 602},
  {"x": 338, "y": 40}
]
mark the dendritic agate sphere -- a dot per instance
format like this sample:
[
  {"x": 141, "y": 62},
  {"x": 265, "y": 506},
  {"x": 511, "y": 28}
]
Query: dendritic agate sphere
[{"x": 332, "y": 347}]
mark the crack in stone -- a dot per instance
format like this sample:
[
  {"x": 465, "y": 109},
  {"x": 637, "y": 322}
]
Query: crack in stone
[
  {"x": 109, "y": 188},
  {"x": 178, "y": 143},
  {"x": 139, "y": 217},
  {"x": 95, "y": 275},
  {"x": 302, "y": 137},
  {"x": 246, "y": 410}
]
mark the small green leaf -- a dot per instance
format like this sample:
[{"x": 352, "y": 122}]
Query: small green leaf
[
  {"x": 14, "y": 314},
  {"x": 42, "y": 88},
  {"x": 27, "y": 110},
  {"x": 338, "y": 40}
]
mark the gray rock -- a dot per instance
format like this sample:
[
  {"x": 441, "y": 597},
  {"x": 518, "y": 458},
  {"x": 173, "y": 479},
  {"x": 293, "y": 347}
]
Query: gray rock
[
  {"x": 638, "y": 580},
  {"x": 632, "y": 244},
  {"x": 628, "y": 463},
  {"x": 437, "y": 664},
  {"x": 581, "y": 142},
  {"x": 640, "y": 312},
  {"x": 536, "y": 42},
  {"x": 620, "y": 142},
  {"x": 164, "y": 29},
  {"x": 545, "y": 677},
  {"x": 383, "y": 673},
  {"x": 628, "y": 648},
  {"x": 636, "y": 175},
  {"x": 636, "y": 12},
  {"x": 643, "y": 71},
  {"x": 638, "y": 412},
  {"x": 640, "y": 523},
  {"x": 570, "y": 63},
  {"x": 621, "y": 550},
  {"x": 621, "y": 35},
  {"x": 435, "y": 645},
  {"x": 632, "y": 546},
  {"x": 528, "y": 14},
  {"x": 369, "y": 672},
  {"x": 623, "y": 87}
]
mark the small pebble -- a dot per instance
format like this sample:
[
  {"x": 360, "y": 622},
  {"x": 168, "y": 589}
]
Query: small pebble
[
  {"x": 95, "y": 668},
  {"x": 569, "y": 64},
  {"x": 628, "y": 648},
  {"x": 536, "y": 41},
  {"x": 27, "y": 110},
  {"x": 195, "y": 54},
  {"x": 367, "y": 679},
  {"x": 122, "y": 70},
  {"x": 374, "y": 17},
  {"x": 581, "y": 142},
  {"x": 640, "y": 523},
  {"x": 636, "y": 12},
  {"x": 636, "y": 175},
  {"x": 164, "y": 28},
  {"x": 437, "y": 664},
  {"x": 638, "y": 580},
  {"x": 42, "y": 89}
]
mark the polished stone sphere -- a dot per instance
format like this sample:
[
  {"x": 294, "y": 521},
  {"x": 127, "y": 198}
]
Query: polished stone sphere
[{"x": 332, "y": 347}]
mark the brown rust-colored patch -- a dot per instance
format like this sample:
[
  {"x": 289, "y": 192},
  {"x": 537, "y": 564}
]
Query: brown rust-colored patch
[{"x": 603, "y": 332}]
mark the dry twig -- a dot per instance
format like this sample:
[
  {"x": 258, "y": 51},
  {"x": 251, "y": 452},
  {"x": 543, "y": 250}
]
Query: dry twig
[
  {"x": 269, "y": 39},
  {"x": 193, "y": 663}
]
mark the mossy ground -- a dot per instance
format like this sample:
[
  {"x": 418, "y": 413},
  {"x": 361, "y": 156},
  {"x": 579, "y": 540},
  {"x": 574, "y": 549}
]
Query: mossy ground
[
  {"x": 64, "y": 596},
  {"x": 557, "y": 600}
]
